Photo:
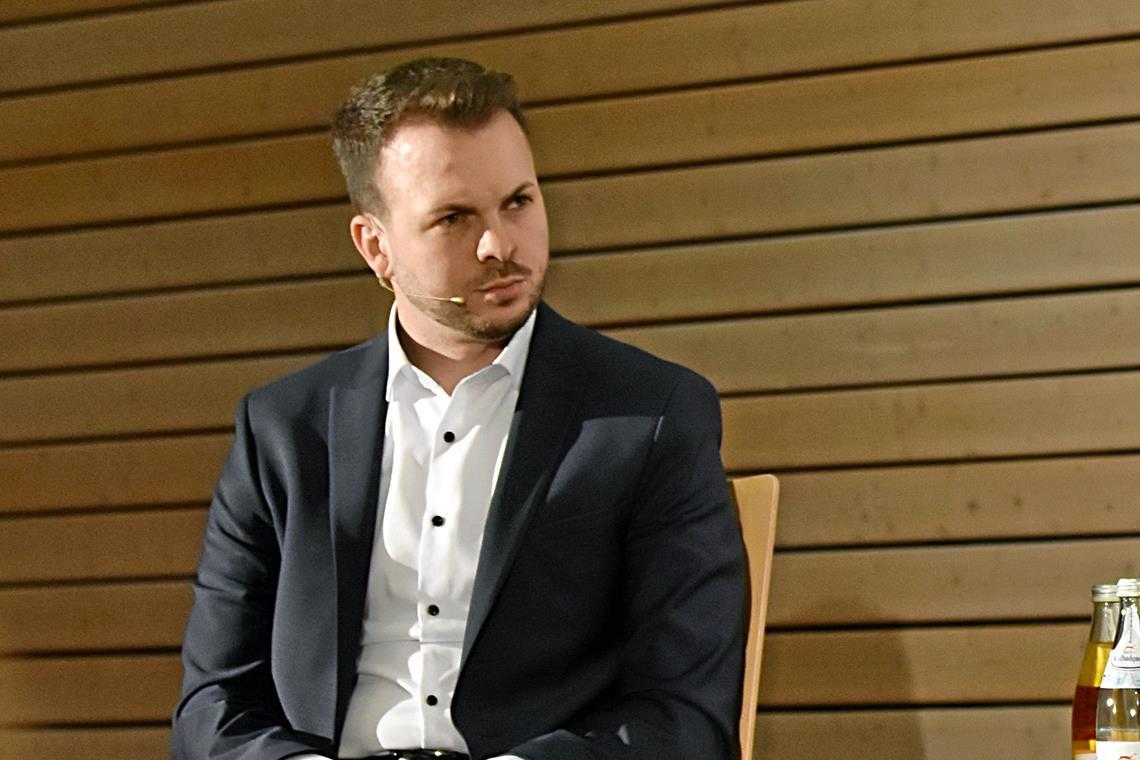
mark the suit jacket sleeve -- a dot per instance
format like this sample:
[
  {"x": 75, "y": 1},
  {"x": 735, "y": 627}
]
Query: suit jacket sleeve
[
  {"x": 685, "y": 585},
  {"x": 229, "y": 708}
]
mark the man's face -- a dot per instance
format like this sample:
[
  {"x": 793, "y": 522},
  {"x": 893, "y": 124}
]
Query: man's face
[{"x": 464, "y": 217}]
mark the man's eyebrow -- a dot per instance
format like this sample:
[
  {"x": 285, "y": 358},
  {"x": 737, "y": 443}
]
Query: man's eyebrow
[
  {"x": 451, "y": 208},
  {"x": 523, "y": 186}
]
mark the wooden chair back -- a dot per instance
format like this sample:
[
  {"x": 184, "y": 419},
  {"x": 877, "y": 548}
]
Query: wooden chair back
[{"x": 756, "y": 499}]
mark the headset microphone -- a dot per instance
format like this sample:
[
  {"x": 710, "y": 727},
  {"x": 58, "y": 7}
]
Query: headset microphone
[{"x": 457, "y": 300}]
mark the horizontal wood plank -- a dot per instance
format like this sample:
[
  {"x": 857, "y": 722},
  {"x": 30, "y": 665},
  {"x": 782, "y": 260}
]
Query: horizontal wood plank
[
  {"x": 928, "y": 666},
  {"x": 87, "y": 547},
  {"x": 268, "y": 245},
  {"x": 1053, "y": 415},
  {"x": 1096, "y": 495},
  {"x": 199, "y": 324},
  {"x": 1092, "y": 413},
  {"x": 157, "y": 400},
  {"x": 141, "y": 743},
  {"x": 146, "y": 472},
  {"x": 948, "y": 583},
  {"x": 994, "y": 93},
  {"x": 774, "y": 38},
  {"x": 976, "y": 176},
  {"x": 248, "y": 31},
  {"x": 991, "y": 256},
  {"x": 892, "y": 586},
  {"x": 1043, "y": 334},
  {"x": 946, "y": 341},
  {"x": 1013, "y": 733},
  {"x": 49, "y": 10},
  {"x": 922, "y": 666},
  {"x": 93, "y": 617},
  {"x": 985, "y": 257},
  {"x": 80, "y": 689}
]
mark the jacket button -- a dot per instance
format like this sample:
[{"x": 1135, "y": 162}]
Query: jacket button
[
  {"x": 431, "y": 700},
  {"x": 433, "y": 610},
  {"x": 437, "y": 521},
  {"x": 449, "y": 436}
]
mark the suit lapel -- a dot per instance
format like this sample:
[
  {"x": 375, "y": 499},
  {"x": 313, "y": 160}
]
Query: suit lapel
[
  {"x": 356, "y": 442},
  {"x": 546, "y": 411}
]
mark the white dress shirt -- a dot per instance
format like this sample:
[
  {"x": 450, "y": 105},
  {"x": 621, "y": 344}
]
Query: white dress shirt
[{"x": 441, "y": 459}]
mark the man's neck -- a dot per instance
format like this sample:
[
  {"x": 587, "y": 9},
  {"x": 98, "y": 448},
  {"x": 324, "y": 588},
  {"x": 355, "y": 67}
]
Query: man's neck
[{"x": 446, "y": 361}]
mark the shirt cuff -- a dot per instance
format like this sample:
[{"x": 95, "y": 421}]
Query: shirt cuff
[
  {"x": 309, "y": 756},
  {"x": 505, "y": 757}
]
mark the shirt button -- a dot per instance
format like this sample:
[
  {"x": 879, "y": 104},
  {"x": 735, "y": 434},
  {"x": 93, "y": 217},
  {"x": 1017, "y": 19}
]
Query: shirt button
[
  {"x": 437, "y": 521},
  {"x": 433, "y": 610},
  {"x": 431, "y": 700},
  {"x": 449, "y": 436}
]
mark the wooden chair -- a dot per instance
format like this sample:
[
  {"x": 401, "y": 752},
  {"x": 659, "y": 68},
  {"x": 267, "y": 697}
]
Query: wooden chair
[{"x": 756, "y": 498}]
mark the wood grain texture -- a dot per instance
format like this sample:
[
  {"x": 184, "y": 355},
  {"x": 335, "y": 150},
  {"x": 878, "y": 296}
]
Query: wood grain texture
[
  {"x": 1098, "y": 330},
  {"x": 136, "y": 616},
  {"x": 1091, "y": 413},
  {"x": 976, "y": 501},
  {"x": 810, "y": 271},
  {"x": 156, "y": 400},
  {"x": 896, "y": 345},
  {"x": 113, "y": 545},
  {"x": 969, "y": 664},
  {"x": 293, "y": 243},
  {"x": 1016, "y": 733},
  {"x": 1053, "y": 415},
  {"x": 976, "y": 176},
  {"x": 922, "y": 666},
  {"x": 881, "y": 586},
  {"x": 138, "y": 473},
  {"x": 958, "y": 583},
  {"x": 142, "y": 743},
  {"x": 248, "y": 31},
  {"x": 992, "y": 93},
  {"x": 80, "y": 690},
  {"x": 865, "y": 187},
  {"x": 771, "y": 39}
]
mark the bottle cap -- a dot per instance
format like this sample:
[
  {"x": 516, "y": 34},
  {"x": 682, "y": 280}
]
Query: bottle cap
[
  {"x": 1128, "y": 587},
  {"x": 1105, "y": 592}
]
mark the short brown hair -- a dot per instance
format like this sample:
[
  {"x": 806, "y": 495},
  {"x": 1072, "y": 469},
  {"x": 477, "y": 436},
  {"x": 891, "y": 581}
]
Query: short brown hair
[{"x": 451, "y": 91}]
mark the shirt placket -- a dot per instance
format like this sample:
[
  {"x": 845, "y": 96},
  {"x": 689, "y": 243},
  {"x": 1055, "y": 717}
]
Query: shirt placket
[{"x": 436, "y": 608}]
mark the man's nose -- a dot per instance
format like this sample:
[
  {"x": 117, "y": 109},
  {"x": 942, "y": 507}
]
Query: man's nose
[{"x": 495, "y": 243}]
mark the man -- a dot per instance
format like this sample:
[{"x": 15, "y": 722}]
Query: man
[{"x": 487, "y": 532}]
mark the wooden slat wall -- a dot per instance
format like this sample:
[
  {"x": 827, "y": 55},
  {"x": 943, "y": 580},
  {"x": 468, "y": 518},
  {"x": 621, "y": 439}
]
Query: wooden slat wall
[{"x": 901, "y": 239}]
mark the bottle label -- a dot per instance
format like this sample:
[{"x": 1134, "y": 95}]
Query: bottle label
[
  {"x": 1117, "y": 750},
  {"x": 1122, "y": 671}
]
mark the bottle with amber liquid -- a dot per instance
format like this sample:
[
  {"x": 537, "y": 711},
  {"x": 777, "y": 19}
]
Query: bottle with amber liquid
[
  {"x": 1118, "y": 701},
  {"x": 1106, "y": 611}
]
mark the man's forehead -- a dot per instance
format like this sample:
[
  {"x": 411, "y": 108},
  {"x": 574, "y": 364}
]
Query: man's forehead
[{"x": 438, "y": 159}]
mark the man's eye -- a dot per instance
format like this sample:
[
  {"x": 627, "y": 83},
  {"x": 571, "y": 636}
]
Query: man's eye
[
  {"x": 451, "y": 219},
  {"x": 520, "y": 200}
]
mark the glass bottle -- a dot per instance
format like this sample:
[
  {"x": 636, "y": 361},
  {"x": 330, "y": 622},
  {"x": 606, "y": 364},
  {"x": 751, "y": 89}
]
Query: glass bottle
[
  {"x": 1106, "y": 610},
  {"x": 1118, "y": 701}
]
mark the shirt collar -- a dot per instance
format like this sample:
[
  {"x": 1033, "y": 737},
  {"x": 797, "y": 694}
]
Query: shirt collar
[{"x": 512, "y": 359}]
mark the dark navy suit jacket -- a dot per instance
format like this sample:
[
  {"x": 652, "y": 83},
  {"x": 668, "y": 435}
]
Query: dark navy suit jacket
[{"x": 608, "y": 613}]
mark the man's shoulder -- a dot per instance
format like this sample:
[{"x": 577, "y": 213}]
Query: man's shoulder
[
  {"x": 613, "y": 365},
  {"x": 346, "y": 368}
]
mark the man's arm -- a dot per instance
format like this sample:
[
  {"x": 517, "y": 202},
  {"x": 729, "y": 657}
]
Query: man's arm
[
  {"x": 229, "y": 705},
  {"x": 685, "y": 589}
]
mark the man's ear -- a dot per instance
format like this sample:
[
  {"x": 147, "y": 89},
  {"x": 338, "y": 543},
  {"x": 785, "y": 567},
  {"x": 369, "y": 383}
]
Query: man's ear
[{"x": 371, "y": 242}]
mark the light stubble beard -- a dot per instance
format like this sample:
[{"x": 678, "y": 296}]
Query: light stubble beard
[{"x": 462, "y": 320}]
